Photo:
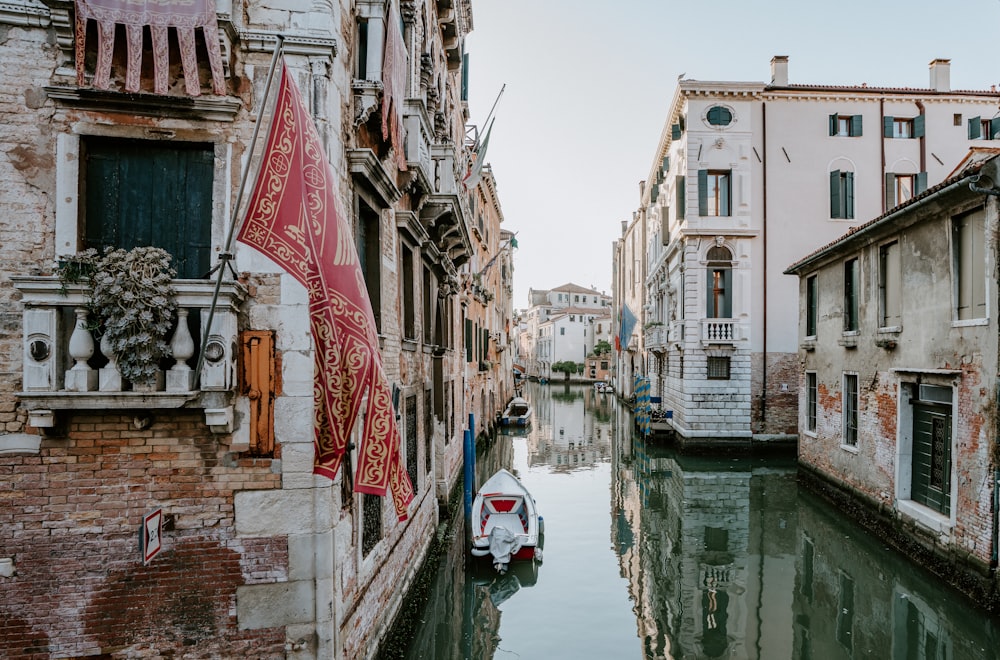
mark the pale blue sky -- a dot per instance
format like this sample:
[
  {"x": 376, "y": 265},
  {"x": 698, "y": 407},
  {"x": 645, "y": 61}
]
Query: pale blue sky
[{"x": 589, "y": 84}]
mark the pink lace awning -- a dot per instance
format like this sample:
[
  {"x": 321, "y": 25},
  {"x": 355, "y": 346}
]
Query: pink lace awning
[{"x": 185, "y": 16}]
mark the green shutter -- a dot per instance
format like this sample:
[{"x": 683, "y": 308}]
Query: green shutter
[
  {"x": 702, "y": 192},
  {"x": 726, "y": 183},
  {"x": 994, "y": 129},
  {"x": 921, "y": 183},
  {"x": 681, "y": 197},
  {"x": 654, "y": 193},
  {"x": 675, "y": 132},
  {"x": 713, "y": 115},
  {"x": 975, "y": 128},
  {"x": 835, "y": 194},
  {"x": 465, "y": 76},
  {"x": 887, "y": 126},
  {"x": 919, "y": 126},
  {"x": 666, "y": 164},
  {"x": 833, "y": 124},
  {"x": 468, "y": 340},
  {"x": 849, "y": 193},
  {"x": 856, "y": 125},
  {"x": 890, "y": 191}
]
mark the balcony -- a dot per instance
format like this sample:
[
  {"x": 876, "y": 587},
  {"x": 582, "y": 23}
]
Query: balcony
[
  {"x": 64, "y": 369},
  {"x": 419, "y": 132},
  {"x": 656, "y": 338},
  {"x": 721, "y": 331}
]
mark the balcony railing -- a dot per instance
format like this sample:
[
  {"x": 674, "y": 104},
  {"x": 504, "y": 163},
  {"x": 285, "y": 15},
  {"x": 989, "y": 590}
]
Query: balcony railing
[
  {"x": 64, "y": 368},
  {"x": 720, "y": 331},
  {"x": 656, "y": 337}
]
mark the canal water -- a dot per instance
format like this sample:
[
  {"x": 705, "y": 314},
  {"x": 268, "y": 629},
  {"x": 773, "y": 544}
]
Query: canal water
[{"x": 653, "y": 555}]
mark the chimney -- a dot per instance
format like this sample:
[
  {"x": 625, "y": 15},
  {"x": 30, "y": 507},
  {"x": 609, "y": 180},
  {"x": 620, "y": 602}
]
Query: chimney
[
  {"x": 779, "y": 71},
  {"x": 941, "y": 75}
]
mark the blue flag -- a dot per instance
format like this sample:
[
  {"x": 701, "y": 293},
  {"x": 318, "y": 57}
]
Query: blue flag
[{"x": 627, "y": 326}]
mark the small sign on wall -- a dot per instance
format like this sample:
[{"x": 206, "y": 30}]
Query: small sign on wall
[{"x": 150, "y": 535}]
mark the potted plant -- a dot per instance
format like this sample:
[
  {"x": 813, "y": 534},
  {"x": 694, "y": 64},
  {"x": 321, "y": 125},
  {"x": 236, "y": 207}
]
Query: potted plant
[{"x": 132, "y": 306}]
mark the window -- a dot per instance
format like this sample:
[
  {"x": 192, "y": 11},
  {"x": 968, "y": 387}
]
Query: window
[
  {"x": 845, "y": 125},
  {"x": 970, "y": 265},
  {"x": 371, "y": 522},
  {"x": 576, "y": 298},
  {"x": 410, "y": 431},
  {"x": 984, "y": 129},
  {"x": 562, "y": 331},
  {"x": 903, "y": 127},
  {"x": 409, "y": 313},
  {"x": 889, "y": 276},
  {"x": 369, "y": 240},
  {"x": 427, "y": 298},
  {"x": 139, "y": 192},
  {"x": 719, "y": 283},
  {"x": 851, "y": 295},
  {"x": 957, "y": 119},
  {"x": 850, "y": 408},
  {"x": 900, "y": 188},
  {"x": 811, "y": 398},
  {"x": 812, "y": 300},
  {"x": 718, "y": 368},
  {"x": 841, "y": 194},
  {"x": 719, "y": 116},
  {"x": 714, "y": 192}
]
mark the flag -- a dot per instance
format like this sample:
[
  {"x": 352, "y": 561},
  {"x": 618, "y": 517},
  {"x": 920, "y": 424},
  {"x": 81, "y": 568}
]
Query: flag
[
  {"x": 626, "y": 328},
  {"x": 293, "y": 219},
  {"x": 394, "y": 84},
  {"x": 184, "y": 17},
  {"x": 475, "y": 172}
]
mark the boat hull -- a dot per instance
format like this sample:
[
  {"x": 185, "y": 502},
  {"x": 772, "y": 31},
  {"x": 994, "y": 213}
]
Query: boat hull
[{"x": 506, "y": 524}]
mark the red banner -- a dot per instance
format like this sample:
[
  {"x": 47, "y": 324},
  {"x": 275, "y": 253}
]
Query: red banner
[
  {"x": 185, "y": 16},
  {"x": 294, "y": 220}
]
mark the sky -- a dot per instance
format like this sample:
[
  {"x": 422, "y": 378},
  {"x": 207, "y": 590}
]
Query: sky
[{"x": 589, "y": 84}]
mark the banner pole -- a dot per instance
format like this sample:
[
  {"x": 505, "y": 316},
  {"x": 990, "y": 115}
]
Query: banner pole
[{"x": 225, "y": 257}]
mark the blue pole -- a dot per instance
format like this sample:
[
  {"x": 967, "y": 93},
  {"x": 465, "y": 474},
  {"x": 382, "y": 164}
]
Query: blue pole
[{"x": 469, "y": 465}]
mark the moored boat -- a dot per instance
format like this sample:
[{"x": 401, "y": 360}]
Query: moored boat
[
  {"x": 505, "y": 522},
  {"x": 517, "y": 413}
]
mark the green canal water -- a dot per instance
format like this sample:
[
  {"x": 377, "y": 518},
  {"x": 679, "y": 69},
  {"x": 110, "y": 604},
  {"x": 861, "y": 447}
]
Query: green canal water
[{"x": 653, "y": 555}]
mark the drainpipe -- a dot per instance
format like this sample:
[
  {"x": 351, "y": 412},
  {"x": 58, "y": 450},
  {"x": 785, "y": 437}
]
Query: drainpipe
[
  {"x": 923, "y": 139},
  {"x": 763, "y": 382},
  {"x": 881, "y": 145}
]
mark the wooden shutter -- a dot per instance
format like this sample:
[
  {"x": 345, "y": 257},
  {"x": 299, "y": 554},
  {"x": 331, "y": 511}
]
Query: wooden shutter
[
  {"x": 654, "y": 192},
  {"x": 681, "y": 196},
  {"x": 887, "y": 126},
  {"x": 834, "y": 124},
  {"x": 856, "y": 126},
  {"x": 919, "y": 129},
  {"x": 665, "y": 166},
  {"x": 726, "y": 185},
  {"x": 849, "y": 195},
  {"x": 975, "y": 128},
  {"x": 259, "y": 385},
  {"x": 702, "y": 192},
  {"x": 994, "y": 129},
  {"x": 921, "y": 184},
  {"x": 665, "y": 226},
  {"x": 675, "y": 132},
  {"x": 465, "y": 83},
  {"x": 468, "y": 340},
  {"x": 835, "y": 194},
  {"x": 890, "y": 191}
]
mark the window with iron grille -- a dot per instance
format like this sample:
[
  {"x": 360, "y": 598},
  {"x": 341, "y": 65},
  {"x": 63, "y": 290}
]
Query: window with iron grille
[
  {"x": 718, "y": 368},
  {"x": 850, "y": 407}
]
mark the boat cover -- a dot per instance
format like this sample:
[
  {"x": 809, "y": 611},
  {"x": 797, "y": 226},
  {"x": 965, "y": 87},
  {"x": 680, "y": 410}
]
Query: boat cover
[{"x": 503, "y": 545}]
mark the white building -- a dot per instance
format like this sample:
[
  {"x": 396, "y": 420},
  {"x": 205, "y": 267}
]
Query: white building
[
  {"x": 559, "y": 326},
  {"x": 746, "y": 178}
]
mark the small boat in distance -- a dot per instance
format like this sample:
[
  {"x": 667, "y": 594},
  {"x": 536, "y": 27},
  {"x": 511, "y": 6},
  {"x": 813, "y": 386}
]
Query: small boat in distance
[
  {"x": 505, "y": 522},
  {"x": 517, "y": 413}
]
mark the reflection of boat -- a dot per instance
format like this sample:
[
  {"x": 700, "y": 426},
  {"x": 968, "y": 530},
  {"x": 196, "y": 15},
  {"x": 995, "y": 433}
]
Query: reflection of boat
[
  {"x": 502, "y": 587},
  {"x": 517, "y": 413},
  {"x": 603, "y": 388},
  {"x": 505, "y": 522}
]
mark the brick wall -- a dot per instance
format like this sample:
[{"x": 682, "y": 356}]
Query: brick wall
[
  {"x": 778, "y": 412},
  {"x": 69, "y": 518}
]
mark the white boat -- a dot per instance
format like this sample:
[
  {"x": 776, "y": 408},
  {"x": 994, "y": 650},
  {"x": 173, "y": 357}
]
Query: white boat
[
  {"x": 505, "y": 522},
  {"x": 517, "y": 413}
]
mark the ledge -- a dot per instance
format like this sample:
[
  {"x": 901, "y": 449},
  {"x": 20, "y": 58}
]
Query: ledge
[
  {"x": 216, "y": 108},
  {"x": 105, "y": 400}
]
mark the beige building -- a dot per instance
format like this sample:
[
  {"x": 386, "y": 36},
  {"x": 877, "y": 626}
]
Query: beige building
[
  {"x": 746, "y": 178},
  {"x": 898, "y": 377},
  {"x": 258, "y": 556}
]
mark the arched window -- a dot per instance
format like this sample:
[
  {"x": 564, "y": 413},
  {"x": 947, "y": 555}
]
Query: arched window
[{"x": 719, "y": 283}]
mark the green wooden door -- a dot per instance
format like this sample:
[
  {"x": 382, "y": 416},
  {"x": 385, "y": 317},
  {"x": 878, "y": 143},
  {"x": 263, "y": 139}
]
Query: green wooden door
[
  {"x": 150, "y": 193},
  {"x": 932, "y": 456}
]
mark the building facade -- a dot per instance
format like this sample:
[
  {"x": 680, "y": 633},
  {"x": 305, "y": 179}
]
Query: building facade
[
  {"x": 898, "y": 379},
  {"x": 259, "y": 556},
  {"x": 746, "y": 178},
  {"x": 559, "y": 325}
]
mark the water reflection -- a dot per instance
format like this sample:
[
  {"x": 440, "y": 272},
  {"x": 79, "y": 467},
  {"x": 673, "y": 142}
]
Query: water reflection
[{"x": 655, "y": 555}]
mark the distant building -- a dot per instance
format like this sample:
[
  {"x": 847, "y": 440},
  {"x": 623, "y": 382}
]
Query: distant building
[
  {"x": 898, "y": 337},
  {"x": 559, "y": 326},
  {"x": 747, "y": 177}
]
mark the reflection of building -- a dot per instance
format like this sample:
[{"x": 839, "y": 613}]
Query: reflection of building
[
  {"x": 571, "y": 427},
  {"x": 710, "y": 579}
]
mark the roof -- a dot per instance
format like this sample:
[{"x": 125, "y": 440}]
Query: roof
[
  {"x": 971, "y": 165},
  {"x": 576, "y": 288},
  {"x": 863, "y": 87}
]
